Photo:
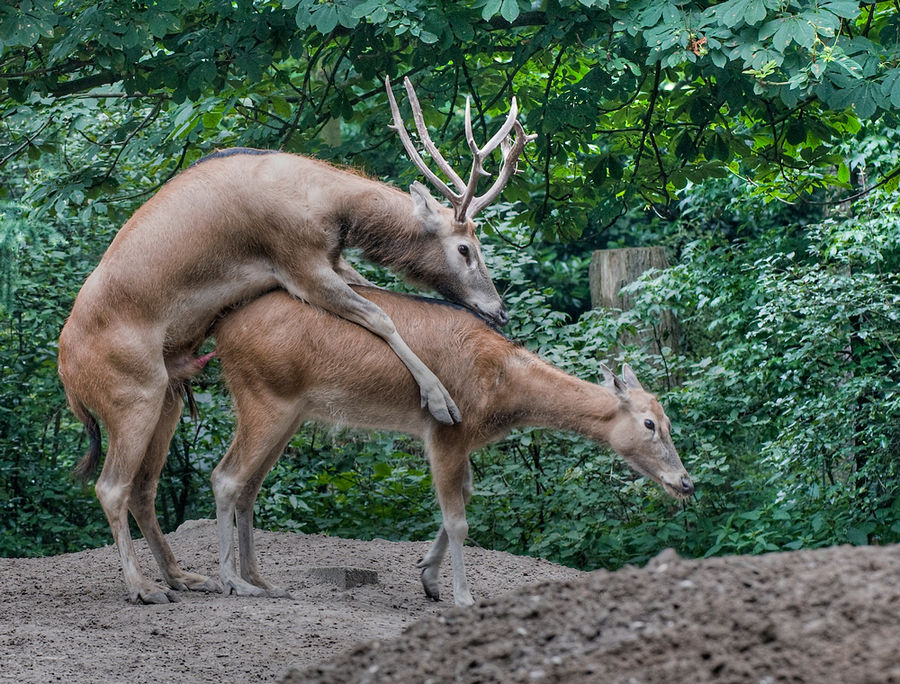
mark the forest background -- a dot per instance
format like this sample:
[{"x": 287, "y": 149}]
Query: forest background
[{"x": 754, "y": 139}]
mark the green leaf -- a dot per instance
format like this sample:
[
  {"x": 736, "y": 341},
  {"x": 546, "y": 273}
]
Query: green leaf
[
  {"x": 848, "y": 9},
  {"x": 804, "y": 33},
  {"x": 491, "y": 7},
  {"x": 366, "y": 8},
  {"x": 281, "y": 107},
  {"x": 843, "y": 174},
  {"x": 509, "y": 10},
  {"x": 890, "y": 87},
  {"x": 160, "y": 23},
  {"x": 782, "y": 31},
  {"x": 733, "y": 13},
  {"x": 796, "y": 132},
  {"x": 427, "y": 37},
  {"x": 858, "y": 536},
  {"x": 326, "y": 19},
  {"x": 211, "y": 119},
  {"x": 755, "y": 12}
]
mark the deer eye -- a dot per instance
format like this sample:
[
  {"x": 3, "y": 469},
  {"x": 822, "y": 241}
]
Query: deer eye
[
  {"x": 464, "y": 250},
  {"x": 649, "y": 424}
]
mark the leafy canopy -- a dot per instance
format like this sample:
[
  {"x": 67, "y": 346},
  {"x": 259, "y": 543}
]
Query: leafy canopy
[{"x": 633, "y": 101}]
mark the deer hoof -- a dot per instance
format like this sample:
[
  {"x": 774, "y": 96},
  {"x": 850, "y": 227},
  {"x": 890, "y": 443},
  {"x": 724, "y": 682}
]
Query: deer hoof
[
  {"x": 465, "y": 600},
  {"x": 430, "y": 585},
  {"x": 208, "y": 585},
  {"x": 192, "y": 582},
  {"x": 443, "y": 409},
  {"x": 153, "y": 595},
  {"x": 278, "y": 592},
  {"x": 239, "y": 587}
]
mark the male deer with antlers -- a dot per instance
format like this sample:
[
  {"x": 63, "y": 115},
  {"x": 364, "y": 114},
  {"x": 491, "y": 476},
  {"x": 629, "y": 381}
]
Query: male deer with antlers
[
  {"x": 229, "y": 228},
  {"x": 286, "y": 362}
]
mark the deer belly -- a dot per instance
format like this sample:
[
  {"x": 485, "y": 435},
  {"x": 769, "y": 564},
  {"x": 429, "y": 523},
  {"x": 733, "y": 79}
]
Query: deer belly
[{"x": 393, "y": 409}]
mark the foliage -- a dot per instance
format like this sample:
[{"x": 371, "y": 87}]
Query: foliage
[
  {"x": 633, "y": 102},
  {"x": 746, "y": 136},
  {"x": 43, "y": 509},
  {"x": 791, "y": 386}
]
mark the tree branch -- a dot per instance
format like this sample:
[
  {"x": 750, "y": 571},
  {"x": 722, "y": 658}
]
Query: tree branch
[
  {"x": 648, "y": 119},
  {"x": 27, "y": 142}
]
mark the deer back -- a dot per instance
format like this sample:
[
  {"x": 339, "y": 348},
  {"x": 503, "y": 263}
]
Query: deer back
[{"x": 340, "y": 373}]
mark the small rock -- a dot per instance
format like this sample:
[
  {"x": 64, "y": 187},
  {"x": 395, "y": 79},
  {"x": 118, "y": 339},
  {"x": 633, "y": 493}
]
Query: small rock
[{"x": 343, "y": 577}]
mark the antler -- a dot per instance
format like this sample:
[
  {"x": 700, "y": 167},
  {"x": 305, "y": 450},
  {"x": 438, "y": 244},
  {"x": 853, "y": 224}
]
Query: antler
[{"x": 465, "y": 204}]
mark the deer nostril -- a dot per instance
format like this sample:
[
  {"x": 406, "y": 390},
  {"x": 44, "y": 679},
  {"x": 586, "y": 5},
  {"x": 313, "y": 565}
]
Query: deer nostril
[
  {"x": 687, "y": 486},
  {"x": 502, "y": 317}
]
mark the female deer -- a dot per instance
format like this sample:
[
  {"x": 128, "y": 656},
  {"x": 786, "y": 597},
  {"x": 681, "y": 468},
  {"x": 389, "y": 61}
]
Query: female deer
[{"x": 286, "y": 362}]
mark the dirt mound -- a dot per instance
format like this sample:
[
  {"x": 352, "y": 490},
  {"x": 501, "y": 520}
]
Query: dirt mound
[
  {"x": 831, "y": 615},
  {"x": 813, "y": 616}
]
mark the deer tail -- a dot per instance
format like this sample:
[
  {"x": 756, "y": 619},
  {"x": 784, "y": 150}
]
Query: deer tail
[
  {"x": 191, "y": 402},
  {"x": 87, "y": 466}
]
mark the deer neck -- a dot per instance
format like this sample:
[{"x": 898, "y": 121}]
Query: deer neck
[
  {"x": 541, "y": 395},
  {"x": 379, "y": 220}
]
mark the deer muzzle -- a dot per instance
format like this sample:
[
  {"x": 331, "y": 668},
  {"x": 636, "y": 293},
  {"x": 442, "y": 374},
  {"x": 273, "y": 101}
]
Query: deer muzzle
[{"x": 679, "y": 485}]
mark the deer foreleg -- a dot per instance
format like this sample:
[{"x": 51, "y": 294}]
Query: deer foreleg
[
  {"x": 334, "y": 295},
  {"x": 349, "y": 274}
]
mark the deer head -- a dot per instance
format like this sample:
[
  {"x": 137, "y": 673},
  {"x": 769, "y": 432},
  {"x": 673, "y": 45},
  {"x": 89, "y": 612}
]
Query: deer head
[
  {"x": 641, "y": 434},
  {"x": 457, "y": 251}
]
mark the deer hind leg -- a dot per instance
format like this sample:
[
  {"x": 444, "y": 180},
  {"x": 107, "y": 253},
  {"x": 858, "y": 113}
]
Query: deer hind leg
[
  {"x": 130, "y": 426},
  {"x": 141, "y": 501},
  {"x": 262, "y": 433},
  {"x": 431, "y": 561},
  {"x": 334, "y": 295},
  {"x": 244, "y": 514},
  {"x": 452, "y": 482}
]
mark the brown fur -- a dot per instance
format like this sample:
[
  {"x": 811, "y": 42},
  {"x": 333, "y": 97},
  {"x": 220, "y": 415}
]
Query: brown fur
[
  {"x": 285, "y": 363},
  {"x": 219, "y": 234}
]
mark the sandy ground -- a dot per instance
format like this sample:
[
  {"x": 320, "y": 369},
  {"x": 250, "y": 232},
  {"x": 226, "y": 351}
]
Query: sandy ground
[
  {"x": 831, "y": 615},
  {"x": 65, "y": 618}
]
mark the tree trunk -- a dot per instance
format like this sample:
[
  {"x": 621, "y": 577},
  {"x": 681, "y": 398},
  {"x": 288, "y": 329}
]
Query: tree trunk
[{"x": 612, "y": 269}]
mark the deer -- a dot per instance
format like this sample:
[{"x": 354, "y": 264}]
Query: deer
[
  {"x": 233, "y": 226},
  {"x": 285, "y": 362}
]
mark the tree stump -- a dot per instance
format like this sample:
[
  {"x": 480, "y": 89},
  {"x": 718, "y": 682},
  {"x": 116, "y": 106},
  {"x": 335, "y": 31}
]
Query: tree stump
[{"x": 611, "y": 270}]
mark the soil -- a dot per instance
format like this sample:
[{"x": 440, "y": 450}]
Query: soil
[{"x": 830, "y": 615}]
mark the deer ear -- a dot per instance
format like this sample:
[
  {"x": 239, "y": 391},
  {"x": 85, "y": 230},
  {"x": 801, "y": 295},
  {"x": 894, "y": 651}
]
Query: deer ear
[
  {"x": 630, "y": 378},
  {"x": 425, "y": 206},
  {"x": 613, "y": 382}
]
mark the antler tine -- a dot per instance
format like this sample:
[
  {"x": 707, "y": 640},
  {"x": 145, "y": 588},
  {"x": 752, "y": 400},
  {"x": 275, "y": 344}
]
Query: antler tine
[
  {"x": 426, "y": 138},
  {"x": 411, "y": 150},
  {"x": 504, "y": 131},
  {"x": 465, "y": 204},
  {"x": 479, "y": 156},
  {"x": 477, "y": 168},
  {"x": 471, "y": 205},
  {"x": 511, "y": 155}
]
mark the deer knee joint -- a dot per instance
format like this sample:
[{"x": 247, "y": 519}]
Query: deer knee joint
[
  {"x": 111, "y": 496},
  {"x": 457, "y": 528},
  {"x": 379, "y": 322},
  {"x": 224, "y": 487}
]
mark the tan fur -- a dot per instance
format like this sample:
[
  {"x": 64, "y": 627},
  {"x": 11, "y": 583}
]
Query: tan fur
[
  {"x": 221, "y": 233},
  {"x": 286, "y": 363}
]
